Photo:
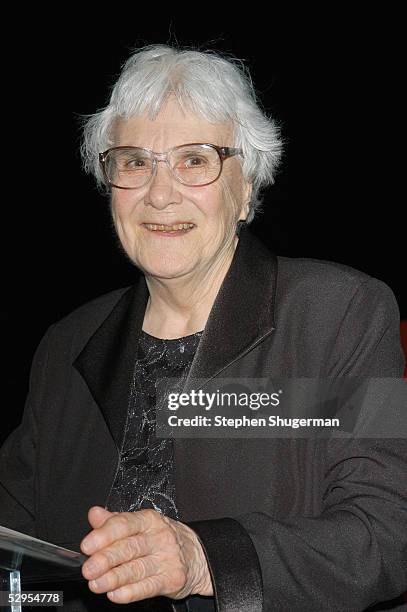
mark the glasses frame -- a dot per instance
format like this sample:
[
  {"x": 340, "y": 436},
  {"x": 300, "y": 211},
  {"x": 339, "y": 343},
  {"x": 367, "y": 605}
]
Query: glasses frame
[{"x": 223, "y": 152}]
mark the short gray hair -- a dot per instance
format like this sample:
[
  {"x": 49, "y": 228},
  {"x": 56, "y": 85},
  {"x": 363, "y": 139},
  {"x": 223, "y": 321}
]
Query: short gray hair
[{"x": 217, "y": 86}]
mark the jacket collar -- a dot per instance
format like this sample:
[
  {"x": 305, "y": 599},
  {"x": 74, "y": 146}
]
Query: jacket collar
[{"x": 241, "y": 316}]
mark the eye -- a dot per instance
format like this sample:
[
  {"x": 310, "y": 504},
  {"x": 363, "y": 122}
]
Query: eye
[
  {"x": 135, "y": 163},
  {"x": 195, "y": 161}
]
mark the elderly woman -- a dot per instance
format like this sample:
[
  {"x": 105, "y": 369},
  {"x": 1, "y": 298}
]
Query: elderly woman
[{"x": 184, "y": 149}]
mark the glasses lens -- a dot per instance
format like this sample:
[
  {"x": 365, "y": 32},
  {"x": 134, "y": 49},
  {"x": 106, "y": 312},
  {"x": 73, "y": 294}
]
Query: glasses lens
[
  {"x": 129, "y": 168},
  {"x": 196, "y": 164}
]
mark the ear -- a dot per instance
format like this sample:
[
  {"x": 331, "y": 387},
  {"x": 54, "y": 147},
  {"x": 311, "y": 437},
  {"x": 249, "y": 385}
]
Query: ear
[{"x": 246, "y": 196}]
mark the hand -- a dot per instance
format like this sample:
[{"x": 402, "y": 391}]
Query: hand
[{"x": 138, "y": 555}]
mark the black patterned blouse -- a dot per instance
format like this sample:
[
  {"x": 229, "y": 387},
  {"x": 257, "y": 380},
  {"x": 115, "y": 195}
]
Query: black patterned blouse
[{"x": 145, "y": 475}]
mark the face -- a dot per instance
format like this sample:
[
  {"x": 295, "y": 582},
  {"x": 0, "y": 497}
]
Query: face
[{"x": 214, "y": 210}]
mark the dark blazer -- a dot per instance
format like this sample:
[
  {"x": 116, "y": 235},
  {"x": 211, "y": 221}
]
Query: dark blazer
[{"x": 287, "y": 524}]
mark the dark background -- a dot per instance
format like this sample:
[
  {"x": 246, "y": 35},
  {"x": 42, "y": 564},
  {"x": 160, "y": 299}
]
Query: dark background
[{"x": 332, "y": 87}]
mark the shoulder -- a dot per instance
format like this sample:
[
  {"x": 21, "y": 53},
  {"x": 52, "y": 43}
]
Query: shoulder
[
  {"x": 65, "y": 338},
  {"x": 92, "y": 313},
  {"x": 305, "y": 271},
  {"x": 349, "y": 318},
  {"x": 326, "y": 282},
  {"x": 68, "y": 335}
]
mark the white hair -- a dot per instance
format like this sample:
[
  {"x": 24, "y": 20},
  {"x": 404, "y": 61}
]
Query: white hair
[{"x": 216, "y": 86}]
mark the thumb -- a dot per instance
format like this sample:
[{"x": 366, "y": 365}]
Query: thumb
[{"x": 97, "y": 516}]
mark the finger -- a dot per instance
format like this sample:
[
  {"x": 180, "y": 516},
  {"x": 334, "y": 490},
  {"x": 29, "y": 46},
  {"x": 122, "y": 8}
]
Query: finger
[
  {"x": 97, "y": 516},
  {"x": 151, "y": 586},
  {"x": 117, "y": 527},
  {"x": 118, "y": 553},
  {"x": 124, "y": 575}
]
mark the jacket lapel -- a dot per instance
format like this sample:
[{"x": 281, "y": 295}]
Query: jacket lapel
[
  {"x": 243, "y": 312},
  {"x": 241, "y": 316},
  {"x": 107, "y": 361}
]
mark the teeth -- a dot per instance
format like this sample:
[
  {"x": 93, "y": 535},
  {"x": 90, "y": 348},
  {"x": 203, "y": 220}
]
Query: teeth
[{"x": 168, "y": 228}]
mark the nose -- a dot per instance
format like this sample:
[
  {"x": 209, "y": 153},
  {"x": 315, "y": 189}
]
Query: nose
[{"x": 162, "y": 188}]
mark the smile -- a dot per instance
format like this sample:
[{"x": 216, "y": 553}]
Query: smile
[{"x": 176, "y": 228}]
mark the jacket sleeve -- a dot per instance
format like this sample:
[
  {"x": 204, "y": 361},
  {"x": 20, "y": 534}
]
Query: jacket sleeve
[
  {"x": 354, "y": 553},
  {"x": 18, "y": 456}
]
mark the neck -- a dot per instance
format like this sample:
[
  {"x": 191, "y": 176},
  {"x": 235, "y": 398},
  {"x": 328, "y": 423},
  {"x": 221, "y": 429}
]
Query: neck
[{"x": 181, "y": 306}]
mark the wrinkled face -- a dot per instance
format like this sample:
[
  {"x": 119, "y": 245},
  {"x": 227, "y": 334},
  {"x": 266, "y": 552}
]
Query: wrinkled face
[{"x": 212, "y": 209}]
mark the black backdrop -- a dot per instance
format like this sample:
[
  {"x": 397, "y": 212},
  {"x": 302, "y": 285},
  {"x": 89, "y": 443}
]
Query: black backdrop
[{"x": 331, "y": 87}]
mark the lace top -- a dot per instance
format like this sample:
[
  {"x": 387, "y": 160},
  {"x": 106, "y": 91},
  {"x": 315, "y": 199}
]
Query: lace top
[{"x": 145, "y": 475}]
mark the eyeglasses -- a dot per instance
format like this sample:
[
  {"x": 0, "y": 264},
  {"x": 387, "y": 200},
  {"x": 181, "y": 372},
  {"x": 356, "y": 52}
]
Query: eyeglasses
[{"x": 191, "y": 164}]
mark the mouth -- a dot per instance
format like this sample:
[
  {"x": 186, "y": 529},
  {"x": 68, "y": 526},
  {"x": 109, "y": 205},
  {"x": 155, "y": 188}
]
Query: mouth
[{"x": 176, "y": 229}]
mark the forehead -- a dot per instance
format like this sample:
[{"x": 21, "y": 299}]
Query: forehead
[{"x": 172, "y": 126}]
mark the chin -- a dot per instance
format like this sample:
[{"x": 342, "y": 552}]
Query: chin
[
  {"x": 164, "y": 273},
  {"x": 164, "y": 268}
]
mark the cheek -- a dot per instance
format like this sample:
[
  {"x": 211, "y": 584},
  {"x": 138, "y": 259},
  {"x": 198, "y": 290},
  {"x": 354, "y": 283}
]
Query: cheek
[
  {"x": 121, "y": 218},
  {"x": 121, "y": 208},
  {"x": 231, "y": 198},
  {"x": 216, "y": 217},
  {"x": 218, "y": 202},
  {"x": 220, "y": 220}
]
